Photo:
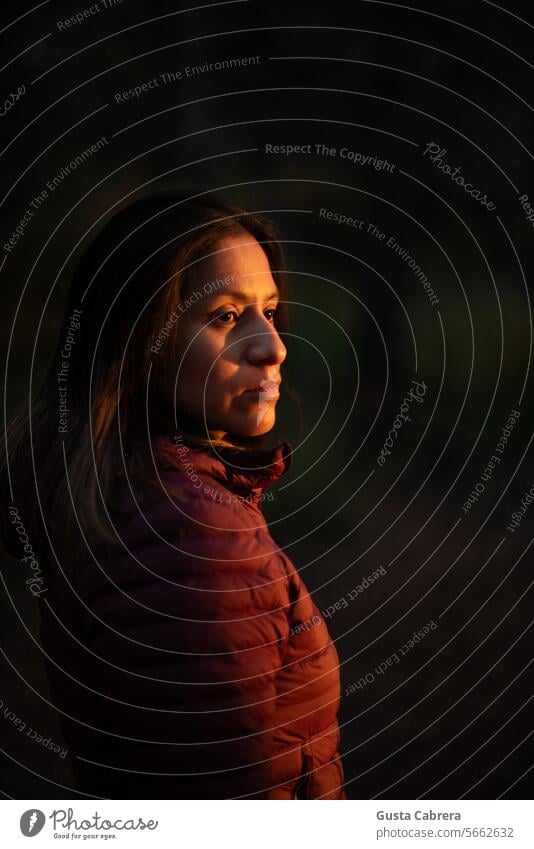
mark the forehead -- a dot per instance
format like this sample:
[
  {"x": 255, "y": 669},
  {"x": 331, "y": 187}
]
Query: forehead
[
  {"x": 242, "y": 253},
  {"x": 242, "y": 261}
]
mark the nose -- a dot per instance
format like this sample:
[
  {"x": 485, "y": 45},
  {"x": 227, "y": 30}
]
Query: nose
[{"x": 265, "y": 344}]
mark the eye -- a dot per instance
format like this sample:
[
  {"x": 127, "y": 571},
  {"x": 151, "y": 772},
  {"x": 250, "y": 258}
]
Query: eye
[
  {"x": 222, "y": 318},
  {"x": 224, "y": 315}
]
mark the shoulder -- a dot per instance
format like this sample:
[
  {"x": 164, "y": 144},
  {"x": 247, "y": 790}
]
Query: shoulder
[
  {"x": 196, "y": 512},
  {"x": 185, "y": 538},
  {"x": 181, "y": 563}
]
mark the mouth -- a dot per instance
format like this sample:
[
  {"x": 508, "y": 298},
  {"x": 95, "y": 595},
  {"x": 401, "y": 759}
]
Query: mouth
[{"x": 265, "y": 390}]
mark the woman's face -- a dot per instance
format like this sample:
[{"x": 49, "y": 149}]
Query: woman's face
[{"x": 230, "y": 350}]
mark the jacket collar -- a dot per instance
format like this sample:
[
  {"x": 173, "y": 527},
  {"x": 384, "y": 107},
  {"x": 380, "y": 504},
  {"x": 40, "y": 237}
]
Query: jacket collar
[{"x": 249, "y": 471}]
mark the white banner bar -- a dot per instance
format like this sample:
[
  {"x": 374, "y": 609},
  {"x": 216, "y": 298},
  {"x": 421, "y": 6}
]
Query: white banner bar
[{"x": 353, "y": 824}]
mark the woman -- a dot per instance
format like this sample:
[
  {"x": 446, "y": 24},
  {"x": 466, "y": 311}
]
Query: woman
[{"x": 185, "y": 656}]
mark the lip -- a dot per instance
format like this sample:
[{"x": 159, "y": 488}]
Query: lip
[{"x": 266, "y": 389}]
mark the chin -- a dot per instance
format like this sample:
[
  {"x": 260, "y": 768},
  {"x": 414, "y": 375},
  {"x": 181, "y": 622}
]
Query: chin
[
  {"x": 251, "y": 427},
  {"x": 257, "y": 430}
]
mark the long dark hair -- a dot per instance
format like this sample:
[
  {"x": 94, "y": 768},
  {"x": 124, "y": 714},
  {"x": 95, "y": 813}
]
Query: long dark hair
[{"x": 87, "y": 424}]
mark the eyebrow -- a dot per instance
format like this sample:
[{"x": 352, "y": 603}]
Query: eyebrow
[{"x": 240, "y": 296}]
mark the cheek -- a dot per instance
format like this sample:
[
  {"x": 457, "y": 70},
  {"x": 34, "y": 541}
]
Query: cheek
[{"x": 203, "y": 363}]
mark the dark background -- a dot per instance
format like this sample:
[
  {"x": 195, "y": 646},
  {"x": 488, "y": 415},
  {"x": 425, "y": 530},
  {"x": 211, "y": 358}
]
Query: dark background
[{"x": 453, "y": 718}]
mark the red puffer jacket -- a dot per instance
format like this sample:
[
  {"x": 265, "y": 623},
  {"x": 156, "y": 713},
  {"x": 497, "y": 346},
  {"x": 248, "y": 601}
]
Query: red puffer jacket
[{"x": 194, "y": 663}]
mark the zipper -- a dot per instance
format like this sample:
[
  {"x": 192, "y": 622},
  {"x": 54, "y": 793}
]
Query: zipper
[{"x": 303, "y": 786}]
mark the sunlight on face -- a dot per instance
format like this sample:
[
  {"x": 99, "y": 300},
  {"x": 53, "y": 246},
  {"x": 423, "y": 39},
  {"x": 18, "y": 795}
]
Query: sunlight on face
[{"x": 229, "y": 343}]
